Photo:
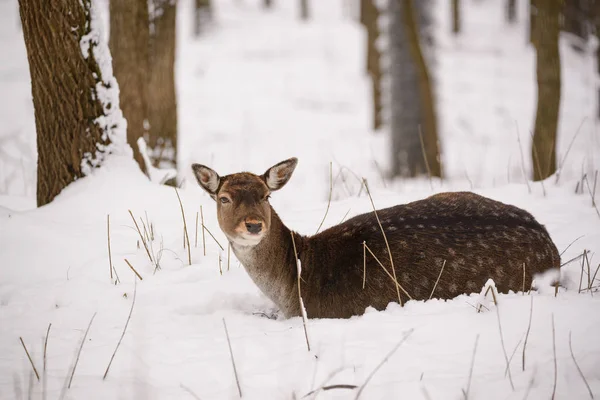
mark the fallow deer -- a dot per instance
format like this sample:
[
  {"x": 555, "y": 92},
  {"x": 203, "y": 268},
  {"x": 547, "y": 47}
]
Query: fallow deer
[{"x": 472, "y": 237}]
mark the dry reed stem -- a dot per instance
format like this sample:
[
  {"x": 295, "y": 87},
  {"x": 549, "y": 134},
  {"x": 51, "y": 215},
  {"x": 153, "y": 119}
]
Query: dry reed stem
[
  {"x": 582, "y": 266},
  {"x": 577, "y": 257},
  {"x": 185, "y": 230},
  {"x": 237, "y": 381},
  {"x": 425, "y": 157},
  {"x": 364, "y": 264},
  {"x": 79, "y": 351},
  {"x": 124, "y": 330},
  {"x": 589, "y": 273},
  {"x": 387, "y": 272},
  {"x": 562, "y": 163},
  {"x": 133, "y": 269},
  {"x": 527, "y": 332},
  {"x": 203, "y": 235},
  {"x": 142, "y": 237},
  {"x": 522, "y": 158},
  {"x": 30, "y": 360},
  {"x": 300, "y": 302},
  {"x": 386, "y": 241},
  {"x": 579, "y": 369},
  {"x": 196, "y": 232},
  {"x": 466, "y": 392},
  {"x": 44, "y": 375},
  {"x": 437, "y": 280},
  {"x": 329, "y": 201},
  {"x": 554, "y": 354},
  {"x": 387, "y": 357},
  {"x": 214, "y": 238},
  {"x": 110, "y": 267}
]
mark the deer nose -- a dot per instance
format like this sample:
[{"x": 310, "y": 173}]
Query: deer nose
[{"x": 254, "y": 227}]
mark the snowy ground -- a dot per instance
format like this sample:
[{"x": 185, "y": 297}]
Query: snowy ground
[{"x": 258, "y": 88}]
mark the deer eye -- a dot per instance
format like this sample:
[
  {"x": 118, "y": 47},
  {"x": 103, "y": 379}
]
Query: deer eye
[{"x": 224, "y": 200}]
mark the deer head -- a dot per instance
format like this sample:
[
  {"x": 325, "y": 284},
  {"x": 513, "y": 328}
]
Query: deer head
[{"x": 243, "y": 208}]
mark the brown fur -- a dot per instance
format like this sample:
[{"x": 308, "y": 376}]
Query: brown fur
[{"x": 477, "y": 237}]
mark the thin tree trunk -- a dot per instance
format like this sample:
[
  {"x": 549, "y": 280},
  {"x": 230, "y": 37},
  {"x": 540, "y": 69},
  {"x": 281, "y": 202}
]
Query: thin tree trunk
[
  {"x": 129, "y": 38},
  {"x": 455, "y": 17},
  {"x": 533, "y": 11},
  {"x": 429, "y": 128},
  {"x": 545, "y": 37},
  {"x": 70, "y": 136},
  {"x": 202, "y": 14},
  {"x": 304, "y": 10},
  {"x": 369, "y": 16},
  {"x": 162, "y": 101},
  {"x": 511, "y": 11}
]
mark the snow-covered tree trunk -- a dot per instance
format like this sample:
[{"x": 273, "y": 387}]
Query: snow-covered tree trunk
[
  {"x": 162, "y": 99},
  {"x": 75, "y": 96},
  {"x": 129, "y": 45}
]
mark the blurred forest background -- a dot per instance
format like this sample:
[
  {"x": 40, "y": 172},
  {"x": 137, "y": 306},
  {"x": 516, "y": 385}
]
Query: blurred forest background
[{"x": 421, "y": 61}]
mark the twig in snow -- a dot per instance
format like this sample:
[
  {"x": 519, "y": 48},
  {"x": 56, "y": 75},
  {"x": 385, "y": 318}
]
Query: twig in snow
[
  {"x": 386, "y": 241},
  {"x": 185, "y": 230},
  {"x": 577, "y": 257},
  {"x": 110, "y": 265},
  {"x": 203, "y": 227},
  {"x": 466, "y": 392},
  {"x": 522, "y": 158},
  {"x": 329, "y": 201},
  {"x": 582, "y": 267},
  {"x": 44, "y": 363},
  {"x": 133, "y": 269},
  {"x": 570, "y": 244},
  {"x": 79, "y": 351},
  {"x": 124, "y": 330},
  {"x": 527, "y": 333},
  {"x": 30, "y": 360},
  {"x": 237, "y": 381},
  {"x": 425, "y": 158},
  {"x": 554, "y": 354},
  {"x": 437, "y": 280},
  {"x": 562, "y": 163},
  {"x": 300, "y": 302},
  {"x": 387, "y": 357},
  {"x": 142, "y": 237},
  {"x": 502, "y": 339},
  {"x": 579, "y": 369}
]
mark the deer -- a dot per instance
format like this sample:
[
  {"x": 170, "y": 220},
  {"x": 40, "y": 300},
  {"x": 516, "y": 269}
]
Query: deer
[{"x": 450, "y": 242}]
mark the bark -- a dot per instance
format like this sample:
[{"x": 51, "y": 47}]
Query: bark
[
  {"x": 533, "y": 11},
  {"x": 369, "y": 16},
  {"x": 455, "y": 16},
  {"x": 545, "y": 39},
  {"x": 63, "y": 85},
  {"x": 304, "y": 10},
  {"x": 162, "y": 100},
  {"x": 427, "y": 104},
  {"x": 511, "y": 11},
  {"x": 129, "y": 38}
]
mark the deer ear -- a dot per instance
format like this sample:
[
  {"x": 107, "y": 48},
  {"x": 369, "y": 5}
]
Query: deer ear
[
  {"x": 278, "y": 175},
  {"x": 207, "y": 178}
]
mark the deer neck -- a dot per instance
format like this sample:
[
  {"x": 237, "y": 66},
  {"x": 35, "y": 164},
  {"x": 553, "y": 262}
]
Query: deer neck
[{"x": 272, "y": 265}]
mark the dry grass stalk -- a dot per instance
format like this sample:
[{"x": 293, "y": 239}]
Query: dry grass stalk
[
  {"x": 196, "y": 232},
  {"x": 579, "y": 369},
  {"x": 44, "y": 375},
  {"x": 493, "y": 290},
  {"x": 124, "y": 330},
  {"x": 589, "y": 273},
  {"x": 387, "y": 357},
  {"x": 468, "y": 389},
  {"x": 577, "y": 257},
  {"x": 437, "y": 280},
  {"x": 594, "y": 189},
  {"x": 228, "y": 254},
  {"x": 220, "y": 268},
  {"x": 143, "y": 239},
  {"x": 522, "y": 159},
  {"x": 554, "y": 354},
  {"x": 214, "y": 238},
  {"x": 587, "y": 182},
  {"x": 512, "y": 355},
  {"x": 387, "y": 272},
  {"x": 523, "y": 279},
  {"x": 386, "y": 241},
  {"x": 330, "y": 387},
  {"x": 110, "y": 264},
  {"x": 133, "y": 269},
  {"x": 203, "y": 235},
  {"x": 237, "y": 381},
  {"x": 79, "y": 351},
  {"x": 570, "y": 244},
  {"x": 562, "y": 163},
  {"x": 300, "y": 302},
  {"x": 345, "y": 215},
  {"x": 582, "y": 267},
  {"x": 527, "y": 332},
  {"x": 329, "y": 201},
  {"x": 425, "y": 158},
  {"x": 185, "y": 230},
  {"x": 30, "y": 360},
  {"x": 364, "y": 264}
]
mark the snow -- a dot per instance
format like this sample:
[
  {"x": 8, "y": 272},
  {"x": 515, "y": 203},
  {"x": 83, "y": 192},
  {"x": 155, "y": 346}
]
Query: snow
[{"x": 258, "y": 88}]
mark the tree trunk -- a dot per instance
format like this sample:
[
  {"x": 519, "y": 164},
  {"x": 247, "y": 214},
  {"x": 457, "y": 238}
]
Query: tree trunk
[
  {"x": 162, "y": 100},
  {"x": 267, "y": 3},
  {"x": 511, "y": 11},
  {"x": 545, "y": 39},
  {"x": 71, "y": 135},
  {"x": 533, "y": 11},
  {"x": 304, "y": 10},
  {"x": 369, "y": 17},
  {"x": 129, "y": 38},
  {"x": 202, "y": 14},
  {"x": 455, "y": 16},
  {"x": 428, "y": 131}
]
